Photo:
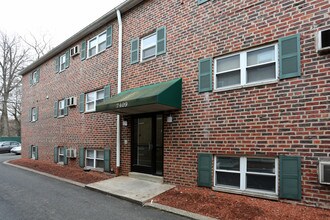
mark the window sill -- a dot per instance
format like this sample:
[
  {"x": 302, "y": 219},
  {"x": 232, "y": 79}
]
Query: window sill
[
  {"x": 261, "y": 83},
  {"x": 95, "y": 169},
  {"x": 258, "y": 194},
  {"x": 61, "y": 116},
  {"x": 89, "y": 57},
  {"x": 148, "y": 59}
]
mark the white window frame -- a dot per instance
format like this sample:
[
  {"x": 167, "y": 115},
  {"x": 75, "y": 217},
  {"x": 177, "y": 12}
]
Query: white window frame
[
  {"x": 34, "y": 77},
  {"x": 94, "y": 158},
  {"x": 97, "y": 46},
  {"x": 243, "y": 171},
  {"x": 243, "y": 69},
  {"x": 62, "y": 62},
  {"x": 152, "y": 45},
  {"x": 60, "y": 155},
  {"x": 61, "y": 108},
  {"x": 33, "y": 152},
  {"x": 94, "y": 93},
  {"x": 34, "y": 114}
]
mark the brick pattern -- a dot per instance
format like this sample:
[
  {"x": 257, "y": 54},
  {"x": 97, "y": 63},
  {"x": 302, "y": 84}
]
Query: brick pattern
[{"x": 289, "y": 117}]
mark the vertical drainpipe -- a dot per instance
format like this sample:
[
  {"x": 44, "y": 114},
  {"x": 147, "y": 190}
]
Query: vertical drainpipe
[{"x": 120, "y": 47}]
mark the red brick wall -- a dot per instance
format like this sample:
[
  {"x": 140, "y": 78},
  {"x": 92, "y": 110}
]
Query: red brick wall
[{"x": 289, "y": 117}]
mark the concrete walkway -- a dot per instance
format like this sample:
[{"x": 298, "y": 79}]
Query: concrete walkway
[{"x": 136, "y": 190}]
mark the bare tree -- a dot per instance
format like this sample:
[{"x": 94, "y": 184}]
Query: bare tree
[
  {"x": 13, "y": 58},
  {"x": 15, "y": 110},
  {"x": 38, "y": 45}
]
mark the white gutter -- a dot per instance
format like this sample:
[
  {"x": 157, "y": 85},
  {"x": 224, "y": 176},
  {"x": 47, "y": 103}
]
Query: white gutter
[{"x": 120, "y": 47}]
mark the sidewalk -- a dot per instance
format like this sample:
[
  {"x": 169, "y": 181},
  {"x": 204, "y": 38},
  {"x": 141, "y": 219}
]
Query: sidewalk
[
  {"x": 131, "y": 189},
  {"x": 199, "y": 200}
]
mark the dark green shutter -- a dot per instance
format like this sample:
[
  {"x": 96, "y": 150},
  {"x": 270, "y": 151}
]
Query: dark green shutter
[
  {"x": 204, "y": 170},
  {"x": 135, "y": 51},
  {"x": 201, "y": 1},
  {"x": 106, "y": 160},
  {"x": 106, "y": 92},
  {"x": 83, "y": 50},
  {"x": 82, "y": 157},
  {"x": 67, "y": 59},
  {"x": 109, "y": 36},
  {"x": 205, "y": 75},
  {"x": 65, "y": 107},
  {"x": 37, "y": 113},
  {"x": 65, "y": 156},
  {"x": 36, "y": 156},
  {"x": 290, "y": 177},
  {"x": 161, "y": 40},
  {"x": 37, "y": 75},
  {"x": 55, "y": 109},
  {"x": 289, "y": 52},
  {"x": 57, "y": 64},
  {"x": 55, "y": 154},
  {"x": 82, "y": 102}
]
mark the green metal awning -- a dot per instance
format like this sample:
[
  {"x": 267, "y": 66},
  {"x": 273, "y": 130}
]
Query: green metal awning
[{"x": 157, "y": 97}]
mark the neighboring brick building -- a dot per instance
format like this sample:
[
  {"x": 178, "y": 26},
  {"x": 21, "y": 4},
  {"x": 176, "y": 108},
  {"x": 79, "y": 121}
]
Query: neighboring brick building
[{"x": 253, "y": 117}]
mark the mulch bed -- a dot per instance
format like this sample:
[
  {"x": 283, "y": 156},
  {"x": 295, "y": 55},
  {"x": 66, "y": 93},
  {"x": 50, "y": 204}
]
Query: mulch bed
[
  {"x": 75, "y": 174},
  {"x": 195, "y": 199},
  {"x": 229, "y": 206}
]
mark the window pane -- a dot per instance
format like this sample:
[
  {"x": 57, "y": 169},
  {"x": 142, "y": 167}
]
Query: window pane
[
  {"x": 228, "y": 163},
  {"x": 228, "y": 63},
  {"x": 261, "y": 56},
  {"x": 149, "y": 41},
  {"x": 90, "y": 97},
  {"x": 261, "y": 165},
  {"x": 150, "y": 52},
  {"x": 102, "y": 38},
  {"x": 92, "y": 43},
  {"x": 99, "y": 163},
  {"x": 92, "y": 51},
  {"x": 61, "y": 151},
  {"x": 100, "y": 154},
  {"x": 229, "y": 79},
  {"x": 90, "y": 106},
  {"x": 228, "y": 179},
  {"x": 61, "y": 159},
  {"x": 260, "y": 182},
  {"x": 102, "y": 46},
  {"x": 260, "y": 73},
  {"x": 90, "y": 163},
  {"x": 100, "y": 95},
  {"x": 90, "y": 153}
]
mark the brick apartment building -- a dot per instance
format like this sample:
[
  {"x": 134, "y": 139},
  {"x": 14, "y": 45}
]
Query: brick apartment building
[{"x": 232, "y": 95}]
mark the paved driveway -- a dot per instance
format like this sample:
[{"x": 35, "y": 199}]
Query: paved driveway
[{"x": 26, "y": 195}]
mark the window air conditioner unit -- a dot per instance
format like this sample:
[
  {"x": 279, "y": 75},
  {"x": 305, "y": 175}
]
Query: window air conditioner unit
[
  {"x": 323, "y": 41},
  {"x": 71, "y": 101},
  {"x": 74, "y": 51},
  {"x": 71, "y": 153},
  {"x": 324, "y": 172}
]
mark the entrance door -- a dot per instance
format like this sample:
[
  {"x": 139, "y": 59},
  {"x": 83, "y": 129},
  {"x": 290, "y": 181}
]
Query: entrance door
[{"x": 147, "y": 147}]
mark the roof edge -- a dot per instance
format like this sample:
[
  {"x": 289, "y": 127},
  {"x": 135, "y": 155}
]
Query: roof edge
[{"x": 109, "y": 16}]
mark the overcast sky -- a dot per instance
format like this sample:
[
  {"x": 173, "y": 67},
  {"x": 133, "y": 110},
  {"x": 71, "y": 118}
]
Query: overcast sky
[{"x": 59, "y": 19}]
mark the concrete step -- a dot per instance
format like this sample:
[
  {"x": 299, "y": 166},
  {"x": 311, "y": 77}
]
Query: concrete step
[{"x": 146, "y": 177}]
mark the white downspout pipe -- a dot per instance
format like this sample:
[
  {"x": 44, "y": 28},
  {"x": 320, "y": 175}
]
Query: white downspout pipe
[{"x": 120, "y": 48}]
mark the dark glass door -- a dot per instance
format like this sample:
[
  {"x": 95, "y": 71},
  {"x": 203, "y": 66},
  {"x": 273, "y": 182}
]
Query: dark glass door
[{"x": 147, "y": 147}]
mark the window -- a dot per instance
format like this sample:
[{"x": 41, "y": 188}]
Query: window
[
  {"x": 62, "y": 62},
  {"x": 61, "y": 154},
  {"x": 61, "y": 108},
  {"x": 247, "y": 68},
  {"x": 148, "y": 47},
  {"x": 95, "y": 158},
  {"x": 94, "y": 98},
  {"x": 247, "y": 174},
  {"x": 97, "y": 44},
  {"x": 35, "y": 77},
  {"x": 34, "y": 152},
  {"x": 34, "y": 116}
]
